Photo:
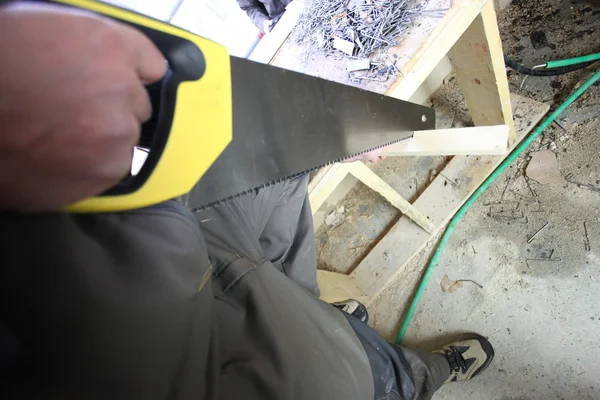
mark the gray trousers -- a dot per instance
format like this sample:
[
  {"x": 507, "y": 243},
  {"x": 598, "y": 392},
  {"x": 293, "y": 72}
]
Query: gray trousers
[
  {"x": 277, "y": 223},
  {"x": 159, "y": 303}
]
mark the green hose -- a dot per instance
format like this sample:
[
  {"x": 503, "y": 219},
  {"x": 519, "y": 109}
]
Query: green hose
[
  {"x": 461, "y": 212},
  {"x": 572, "y": 61}
]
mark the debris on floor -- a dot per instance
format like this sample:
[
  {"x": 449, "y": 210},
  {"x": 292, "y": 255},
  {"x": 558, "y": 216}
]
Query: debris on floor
[
  {"x": 343, "y": 45},
  {"x": 539, "y": 306},
  {"x": 335, "y": 217},
  {"x": 532, "y": 237},
  {"x": 364, "y": 27},
  {"x": 569, "y": 178},
  {"x": 358, "y": 65},
  {"x": 543, "y": 167},
  {"x": 538, "y": 39},
  {"x": 450, "y": 286},
  {"x": 360, "y": 32}
]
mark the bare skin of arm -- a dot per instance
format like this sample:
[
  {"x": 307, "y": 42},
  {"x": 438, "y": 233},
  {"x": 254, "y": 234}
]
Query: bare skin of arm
[{"x": 72, "y": 101}]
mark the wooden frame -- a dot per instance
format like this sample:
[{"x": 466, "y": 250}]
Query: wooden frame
[
  {"x": 469, "y": 35},
  {"x": 439, "y": 202}
]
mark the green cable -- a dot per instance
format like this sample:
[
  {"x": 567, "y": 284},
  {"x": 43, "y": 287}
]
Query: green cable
[
  {"x": 572, "y": 61},
  {"x": 461, "y": 212}
]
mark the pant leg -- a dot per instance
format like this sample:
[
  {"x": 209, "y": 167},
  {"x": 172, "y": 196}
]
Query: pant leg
[
  {"x": 105, "y": 306},
  {"x": 279, "y": 216},
  {"x": 288, "y": 238},
  {"x": 429, "y": 370},
  {"x": 399, "y": 372},
  {"x": 276, "y": 340}
]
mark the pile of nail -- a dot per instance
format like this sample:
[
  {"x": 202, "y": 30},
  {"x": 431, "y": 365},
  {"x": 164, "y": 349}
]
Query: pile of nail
[{"x": 357, "y": 28}]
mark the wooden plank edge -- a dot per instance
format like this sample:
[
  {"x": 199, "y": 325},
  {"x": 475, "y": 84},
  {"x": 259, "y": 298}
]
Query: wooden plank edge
[
  {"x": 373, "y": 181},
  {"x": 319, "y": 190},
  {"x": 435, "y": 47},
  {"x": 337, "y": 287},
  {"x": 479, "y": 64},
  {"x": 318, "y": 177},
  {"x": 492, "y": 33},
  {"x": 477, "y": 140}
]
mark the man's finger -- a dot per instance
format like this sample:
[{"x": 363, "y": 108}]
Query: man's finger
[
  {"x": 140, "y": 103},
  {"x": 120, "y": 154},
  {"x": 147, "y": 60}
]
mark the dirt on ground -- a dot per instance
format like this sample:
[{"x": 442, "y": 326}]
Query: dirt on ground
[{"x": 536, "y": 299}]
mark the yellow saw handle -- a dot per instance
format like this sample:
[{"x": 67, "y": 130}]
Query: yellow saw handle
[{"x": 191, "y": 125}]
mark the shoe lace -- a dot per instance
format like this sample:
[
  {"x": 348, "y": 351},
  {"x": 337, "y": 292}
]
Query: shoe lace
[{"x": 456, "y": 360}]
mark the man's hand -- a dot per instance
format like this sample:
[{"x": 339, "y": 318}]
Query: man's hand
[{"x": 72, "y": 100}]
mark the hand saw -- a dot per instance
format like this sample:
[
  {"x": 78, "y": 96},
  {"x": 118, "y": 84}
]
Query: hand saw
[{"x": 223, "y": 126}]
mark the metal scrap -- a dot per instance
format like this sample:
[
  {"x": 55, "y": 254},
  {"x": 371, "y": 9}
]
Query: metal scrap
[
  {"x": 450, "y": 286},
  {"x": 533, "y": 193},
  {"x": 505, "y": 187},
  {"x": 543, "y": 257},
  {"x": 373, "y": 25},
  {"x": 343, "y": 45},
  {"x": 379, "y": 72},
  {"x": 569, "y": 178},
  {"x": 358, "y": 65},
  {"x": 586, "y": 238},
  {"x": 511, "y": 215},
  {"x": 532, "y": 237}
]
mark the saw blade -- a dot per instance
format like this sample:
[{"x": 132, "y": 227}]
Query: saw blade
[{"x": 286, "y": 124}]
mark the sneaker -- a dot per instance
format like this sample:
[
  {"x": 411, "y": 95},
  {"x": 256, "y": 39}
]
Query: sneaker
[
  {"x": 467, "y": 358},
  {"x": 353, "y": 307}
]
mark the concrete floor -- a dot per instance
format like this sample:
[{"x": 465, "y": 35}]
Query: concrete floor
[{"x": 543, "y": 317}]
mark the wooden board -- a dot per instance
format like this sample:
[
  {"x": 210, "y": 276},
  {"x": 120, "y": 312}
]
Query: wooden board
[
  {"x": 370, "y": 178},
  {"x": 432, "y": 48},
  {"x": 324, "y": 183},
  {"x": 479, "y": 64},
  {"x": 419, "y": 51},
  {"x": 471, "y": 32},
  {"x": 337, "y": 287},
  {"x": 439, "y": 202},
  {"x": 476, "y": 140}
]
